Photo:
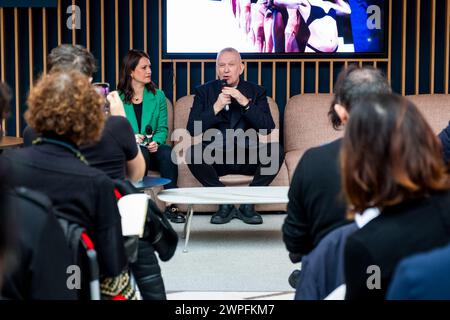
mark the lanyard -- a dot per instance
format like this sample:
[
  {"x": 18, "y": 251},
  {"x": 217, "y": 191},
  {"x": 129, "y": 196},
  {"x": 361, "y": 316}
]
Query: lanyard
[{"x": 76, "y": 152}]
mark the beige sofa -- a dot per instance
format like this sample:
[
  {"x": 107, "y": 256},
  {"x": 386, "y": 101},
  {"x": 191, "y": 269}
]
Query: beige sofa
[
  {"x": 306, "y": 125},
  {"x": 182, "y": 141},
  {"x": 435, "y": 108},
  {"x": 306, "y": 122}
]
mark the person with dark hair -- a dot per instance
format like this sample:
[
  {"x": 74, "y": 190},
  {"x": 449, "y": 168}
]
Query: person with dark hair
[
  {"x": 231, "y": 105},
  {"x": 66, "y": 110},
  {"x": 403, "y": 175},
  {"x": 315, "y": 207},
  {"x": 146, "y": 109},
  {"x": 30, "y": 236},
  {"x": 116, "y": 152}
]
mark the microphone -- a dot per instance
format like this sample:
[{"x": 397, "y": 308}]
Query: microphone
[
  {"x": 148, "y": 133},
  {"x": 224, "y": 83}
]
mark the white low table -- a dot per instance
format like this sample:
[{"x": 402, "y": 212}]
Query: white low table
[{"x": 221, "y": 195}]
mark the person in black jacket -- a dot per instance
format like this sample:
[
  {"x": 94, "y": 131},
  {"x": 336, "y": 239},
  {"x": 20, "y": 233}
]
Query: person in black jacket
[
  {"x": 315, "y": 207},
  {"x": 30, "y": 237},
  {"x": 67, "y": 111},
  {"x": 117, "y": 154},
  {"x": 223, "y": 108},
  {"x": 391, "y": 160}
]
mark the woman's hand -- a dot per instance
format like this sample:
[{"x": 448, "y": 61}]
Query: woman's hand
[
  {"x": 152, "y": 147},
  {"x": 115, "y": 104}
]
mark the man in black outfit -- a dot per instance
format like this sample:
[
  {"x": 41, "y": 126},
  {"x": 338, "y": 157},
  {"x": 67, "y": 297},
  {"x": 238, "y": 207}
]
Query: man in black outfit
[
  {"x": 232, "y": 111},
  {"x": 315, "y": 205}
]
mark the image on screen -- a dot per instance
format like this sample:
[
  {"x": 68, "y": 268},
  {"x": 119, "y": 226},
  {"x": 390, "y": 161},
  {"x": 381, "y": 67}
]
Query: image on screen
[{"x": 330, "y": 27}]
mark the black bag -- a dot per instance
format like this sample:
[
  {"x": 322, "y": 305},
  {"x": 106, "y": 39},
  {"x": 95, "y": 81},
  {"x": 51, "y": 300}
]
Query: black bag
[
  {"x": 158, "y": 230},
  {"x": 160, "y": 233}
]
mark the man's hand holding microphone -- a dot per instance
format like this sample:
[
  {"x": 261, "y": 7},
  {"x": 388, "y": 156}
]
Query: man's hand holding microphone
[{"x": 224, "y": 99}]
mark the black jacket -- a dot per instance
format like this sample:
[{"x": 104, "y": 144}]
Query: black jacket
[
  {"x": 116, "y": 146},
  {"x": 41, "y": 256},
  {"x": 399, "y": 231},
  {"x": 79, "y": 193},
  {"x": 315, "y": 204},
  {"x": 257, "y": 117}
]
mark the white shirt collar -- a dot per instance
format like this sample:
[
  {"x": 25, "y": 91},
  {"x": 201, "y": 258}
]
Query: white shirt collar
[{"x": 365, "y": 217}]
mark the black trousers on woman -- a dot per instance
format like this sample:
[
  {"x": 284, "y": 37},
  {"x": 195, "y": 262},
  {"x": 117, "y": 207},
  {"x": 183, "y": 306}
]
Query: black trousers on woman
[{"x": 161, "y": 161}]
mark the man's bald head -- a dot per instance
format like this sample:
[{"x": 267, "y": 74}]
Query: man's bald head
[{"x": 354, "y": 83}]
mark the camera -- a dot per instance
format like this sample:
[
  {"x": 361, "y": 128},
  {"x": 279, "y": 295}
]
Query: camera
[{"x": 103, "y": 89}]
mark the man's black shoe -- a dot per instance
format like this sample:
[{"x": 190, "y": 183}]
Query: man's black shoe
[
  {"x": 225, "y": 214},
  {"x": 173, "y": 214},
  {"x": 248, "y": 214}
]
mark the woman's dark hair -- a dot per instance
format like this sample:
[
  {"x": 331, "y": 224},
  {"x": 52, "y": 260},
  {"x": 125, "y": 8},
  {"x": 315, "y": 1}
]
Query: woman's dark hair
[
  {"x": 352, "y": 83},
  {"x": 129, "y": 63},
  {"x": 389, "y": 154}
]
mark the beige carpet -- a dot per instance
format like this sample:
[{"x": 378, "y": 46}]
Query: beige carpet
[{"x": 230, "y": 257}]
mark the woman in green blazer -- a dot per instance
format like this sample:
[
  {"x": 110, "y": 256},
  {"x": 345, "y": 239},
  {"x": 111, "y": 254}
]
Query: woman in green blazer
[{"x": 146, "y": 108}]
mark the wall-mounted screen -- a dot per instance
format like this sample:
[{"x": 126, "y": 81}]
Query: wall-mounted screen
[{"x": 279, "y": 27}]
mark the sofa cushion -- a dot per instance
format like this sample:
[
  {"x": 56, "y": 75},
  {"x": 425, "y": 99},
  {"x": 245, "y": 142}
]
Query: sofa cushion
[
  {"x": 435, "y": 108},
  {"x": 306, "y": 125},
  {"x": 292, "y": 158},
  {"x": 306, "y": 122}
]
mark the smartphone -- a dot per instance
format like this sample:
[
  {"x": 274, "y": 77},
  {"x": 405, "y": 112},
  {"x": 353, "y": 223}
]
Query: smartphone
[{"x": 103, "y": 89}]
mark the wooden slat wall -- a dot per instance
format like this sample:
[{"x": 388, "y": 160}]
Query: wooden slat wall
[
  {"x": 282, "y": 77},
  {"x": 417, "y": 45},
  {"x": 275, "y": 63},
  {"x": 16, "y": 68}
]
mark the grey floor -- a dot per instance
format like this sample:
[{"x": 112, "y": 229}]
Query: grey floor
[{"x": 233, "y": 257}]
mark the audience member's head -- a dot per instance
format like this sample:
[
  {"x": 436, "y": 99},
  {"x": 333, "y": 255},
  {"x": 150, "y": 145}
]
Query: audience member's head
[
  {"x": 67, "y": 104},
  {"x": 389, "y": 154},
  {"x": 353, "y": 83},
  {"x": 136, "y": 67},
  {"x": 68, "y": 57},
  {"x": 229, "y": 66},
  {"x": 5, "y": 238}
]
